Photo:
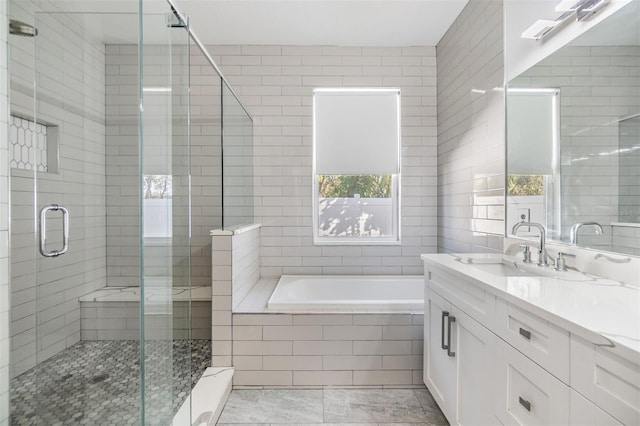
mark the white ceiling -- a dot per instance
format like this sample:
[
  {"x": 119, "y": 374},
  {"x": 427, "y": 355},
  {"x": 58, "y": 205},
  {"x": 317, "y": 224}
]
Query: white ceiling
[
  {"x": 296, "y": 22},
  {"x": 313, "y": 22}
]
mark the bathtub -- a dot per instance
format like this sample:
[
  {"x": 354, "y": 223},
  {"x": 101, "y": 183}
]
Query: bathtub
[{"x": 348, "y": 293}]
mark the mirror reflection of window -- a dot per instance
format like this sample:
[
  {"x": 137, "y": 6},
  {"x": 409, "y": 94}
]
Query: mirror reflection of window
[{"x": 532, "y": 157}]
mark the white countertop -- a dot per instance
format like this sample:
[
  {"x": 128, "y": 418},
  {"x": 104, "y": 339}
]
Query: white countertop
[{"x": 601, "y": 310}]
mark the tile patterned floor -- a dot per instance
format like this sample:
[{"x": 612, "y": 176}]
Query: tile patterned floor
[
  {"x": 331, "y": 406},
  {"x": 98, "y": 383}
]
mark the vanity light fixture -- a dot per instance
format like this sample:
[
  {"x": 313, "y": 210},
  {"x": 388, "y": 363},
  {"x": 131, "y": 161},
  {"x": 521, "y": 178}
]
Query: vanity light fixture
[
  {"x": 542, "y": 27},
  {"x": 582, "y": 9},
  {"x": 539, "y": 29}
]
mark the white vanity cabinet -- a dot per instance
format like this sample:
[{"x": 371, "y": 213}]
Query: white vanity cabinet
[
  {"x": 458, "y": 362},
  {"x": 490, "y": 359}
]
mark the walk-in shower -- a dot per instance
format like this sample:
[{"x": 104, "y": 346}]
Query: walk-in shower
[{"x": 120, "y": 124}]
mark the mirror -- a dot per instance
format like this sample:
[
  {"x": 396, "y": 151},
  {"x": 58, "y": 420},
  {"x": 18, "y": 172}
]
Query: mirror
[{"x": 573, "y": 139}]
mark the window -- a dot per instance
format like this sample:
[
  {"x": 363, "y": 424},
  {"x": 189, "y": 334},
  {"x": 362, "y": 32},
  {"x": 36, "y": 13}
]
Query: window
[
  {"x": 157, "y": 194},
  {"x": 356, "y": 166}
]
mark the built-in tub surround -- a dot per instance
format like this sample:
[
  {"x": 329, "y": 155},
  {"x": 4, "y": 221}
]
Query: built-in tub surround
[
  {"x": 325, "y": 346},
  {"x": 235, "y": 258},
  {"x": 349, "y": 347}
]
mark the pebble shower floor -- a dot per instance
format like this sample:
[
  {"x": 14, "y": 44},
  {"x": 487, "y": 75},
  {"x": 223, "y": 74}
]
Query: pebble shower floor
[{"x": 98, "y": 383}]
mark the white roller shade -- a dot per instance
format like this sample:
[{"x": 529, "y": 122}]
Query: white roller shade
[
  {"x": 532, "y": 129},
  {"x": 357, "y": 132}
]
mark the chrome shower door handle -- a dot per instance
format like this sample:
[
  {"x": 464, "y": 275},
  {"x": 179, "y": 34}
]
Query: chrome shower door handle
[{"x": 43, "y": 230}]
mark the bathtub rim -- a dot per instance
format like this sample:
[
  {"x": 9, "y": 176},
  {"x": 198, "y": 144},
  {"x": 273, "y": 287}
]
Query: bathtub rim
[{"x": 311, "y": 307}]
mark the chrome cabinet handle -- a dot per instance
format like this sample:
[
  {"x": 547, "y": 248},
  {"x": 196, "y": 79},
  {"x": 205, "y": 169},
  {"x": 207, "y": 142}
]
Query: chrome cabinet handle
[
  {"x": 526, "y": 404},
  {"x": 525, "y": 333},
  {"x": 445, "y": 314},
  {"x": 43, "y": 230},
  {"x": 450, "y": 319}
]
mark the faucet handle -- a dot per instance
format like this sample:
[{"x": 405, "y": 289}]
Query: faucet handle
[
  {"x": 560, "y": 264},
  {"x": 526, "y": 252}
]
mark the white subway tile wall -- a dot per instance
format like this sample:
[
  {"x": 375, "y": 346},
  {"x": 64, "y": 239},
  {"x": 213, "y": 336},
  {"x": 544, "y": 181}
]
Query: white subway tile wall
[
  {"x": 236, "y": 263},
  {"x": 471, "y": 145},
  {"x": 598, "y": 85},
  {"x": 245, "y": 263},
  {"x": 271, "y": 350},
  {"x": 121, "y": 321},
  {"x": 123, "y": 230},
  {"x": 70, "y": 67},
  {"x": 5, "y": 305},
  {"x": 276, "y": 84}
]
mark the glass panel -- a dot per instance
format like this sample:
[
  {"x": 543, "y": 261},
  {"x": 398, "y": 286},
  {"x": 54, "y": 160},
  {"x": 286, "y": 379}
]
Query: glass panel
[
  {"x": 165, "y": 238},
  {"x": 237, "y": 162}
]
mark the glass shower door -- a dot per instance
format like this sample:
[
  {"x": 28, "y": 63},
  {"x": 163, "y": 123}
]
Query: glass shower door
[
  {"x": 72, "y": 352},
  {"x": 101, "y": 228}
]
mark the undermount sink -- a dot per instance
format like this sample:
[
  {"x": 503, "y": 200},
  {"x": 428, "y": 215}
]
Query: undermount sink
[{"x": 504, "y": 269}]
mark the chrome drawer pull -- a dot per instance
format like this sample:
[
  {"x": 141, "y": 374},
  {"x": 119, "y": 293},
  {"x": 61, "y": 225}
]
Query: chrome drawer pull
[
  {"x": 526, "y": 404},
  {"x": 525, "y": 333},
  {"x": 450, "y": 320},
  {"x": 444, "y": 315}
]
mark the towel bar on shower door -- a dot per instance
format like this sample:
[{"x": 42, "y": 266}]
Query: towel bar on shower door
[{"x": 43, "y": 230}]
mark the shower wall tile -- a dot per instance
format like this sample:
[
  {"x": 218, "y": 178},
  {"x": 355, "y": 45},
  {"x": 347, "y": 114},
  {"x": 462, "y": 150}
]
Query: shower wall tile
[
  {"x": 276, "y": 84},
  {"x": 123, "y": 159},
  {"x": 121, "y": 321},
  {"x": 470, "y": 128},
  {"x": 5, "y": 305},
  {"x": 71, "y": 95}
]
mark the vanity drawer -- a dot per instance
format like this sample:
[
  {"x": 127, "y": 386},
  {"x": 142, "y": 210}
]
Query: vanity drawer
[
  {"x": 526, "y": 394},
  {"x": 586, "y": 413},
  {"x": 465, "y": 294},
  {"x": 543, "y": 342},
  {"x": 610, "y": 381}
]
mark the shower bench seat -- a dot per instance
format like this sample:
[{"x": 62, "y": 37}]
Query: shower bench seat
[{"x": 113, "y": 313}]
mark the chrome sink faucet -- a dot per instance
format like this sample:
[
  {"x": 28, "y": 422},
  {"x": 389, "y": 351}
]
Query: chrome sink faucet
[
  {"x": 542, "y": 249},
  {"x": 573, "y": 234}
]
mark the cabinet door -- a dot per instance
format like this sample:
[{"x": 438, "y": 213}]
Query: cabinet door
[
  {"x": 474, "y": 349},
  {"x": 439, "y": 369}
]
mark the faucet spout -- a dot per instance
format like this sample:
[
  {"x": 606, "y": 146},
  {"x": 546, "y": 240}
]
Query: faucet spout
[
  {"x": 542, "y": 249},
  {"x": 573, "y": 234}
]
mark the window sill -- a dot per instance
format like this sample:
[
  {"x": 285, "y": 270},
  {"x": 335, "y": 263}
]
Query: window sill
[{"x": 354, "y": 242}]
